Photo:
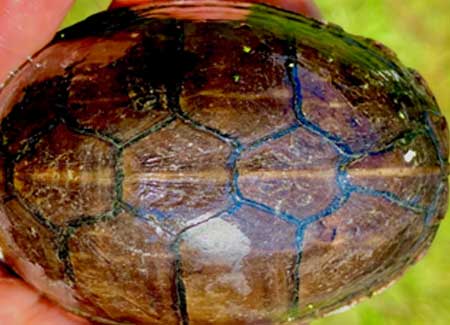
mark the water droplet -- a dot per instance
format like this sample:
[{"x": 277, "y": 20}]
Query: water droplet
[{"x": 409, "y": 156}]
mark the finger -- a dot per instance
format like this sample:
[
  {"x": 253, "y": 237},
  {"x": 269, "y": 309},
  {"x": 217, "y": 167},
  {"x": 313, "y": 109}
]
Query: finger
[
  {"x": 3, "y": 272},
  {"x": 21, "y": 305},
  {"x": 305, "y": 7},
  {"x": 26, "y": 26}
]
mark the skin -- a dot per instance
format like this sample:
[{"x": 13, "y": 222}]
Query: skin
[{"x": 25, "y": 27}]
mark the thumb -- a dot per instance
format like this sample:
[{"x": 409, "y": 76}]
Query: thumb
[
  {"x": 26, "y": 26},
  {"x": 21, "y": 305},
  {"x": 305, "y": 7}
]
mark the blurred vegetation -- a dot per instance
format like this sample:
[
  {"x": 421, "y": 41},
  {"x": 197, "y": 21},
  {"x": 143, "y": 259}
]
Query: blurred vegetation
[
  {"x": 84, "y": 8},
  {"x": 419, "y": 31}
]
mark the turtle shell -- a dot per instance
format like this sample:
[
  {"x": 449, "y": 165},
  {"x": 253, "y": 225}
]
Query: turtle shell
[{"x": 164, "y": 165}]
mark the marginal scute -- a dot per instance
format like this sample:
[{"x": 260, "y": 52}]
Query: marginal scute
[
  {"x": 354, "y": 248},
  {"x": 231, "y": 93},
  {"x": 439, "y": 128},
  {"x": 130, "y": 278},
  {"x": 67, "y": 176},
  {"x": 442, "y": 204},
  {"x": 240, "y": 263},
  {"x": 180, "y": 172},
  {"x": 3, "y": 182}
]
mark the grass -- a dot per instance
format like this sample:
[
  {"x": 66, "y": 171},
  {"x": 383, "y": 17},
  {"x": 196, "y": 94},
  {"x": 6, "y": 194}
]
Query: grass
[{"x": 419, "y": 31}]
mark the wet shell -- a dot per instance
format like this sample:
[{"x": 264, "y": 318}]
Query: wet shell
[{"x": 158, "y": 168}]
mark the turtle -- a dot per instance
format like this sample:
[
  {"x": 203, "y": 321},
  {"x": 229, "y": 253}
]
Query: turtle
[{"x": 267, "y": 168}]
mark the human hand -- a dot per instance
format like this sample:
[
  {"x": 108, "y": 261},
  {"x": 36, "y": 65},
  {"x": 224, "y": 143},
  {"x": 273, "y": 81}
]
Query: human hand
[{"x": 25, "y": 27}]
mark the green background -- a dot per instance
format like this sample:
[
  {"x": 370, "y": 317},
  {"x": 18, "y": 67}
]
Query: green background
[{"x": 419, "y": 31}]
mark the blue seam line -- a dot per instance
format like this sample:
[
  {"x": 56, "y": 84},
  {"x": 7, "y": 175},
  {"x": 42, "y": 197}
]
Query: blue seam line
[
  {"x": 341, "y": 177},
  {"x": 297, "y": 103},
  {"x": 175, "y": 249},
  {"x": 434, "y": 139},
  {"x": 389, "y": 196},
  {"x": 274, "y": 136},
  {"x": 432, "y": 209},
  {"x": 233, "y": 208},
  {"x": 153, "y": 129},
  {"x": 345, "y": 150},
  {"x": 196, "y": 125},
  {"x": 347, "y": 155}
]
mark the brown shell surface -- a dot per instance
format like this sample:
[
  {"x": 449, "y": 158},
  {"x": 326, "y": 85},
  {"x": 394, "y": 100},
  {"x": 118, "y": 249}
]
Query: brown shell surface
[{"x": 173, "y": 171}]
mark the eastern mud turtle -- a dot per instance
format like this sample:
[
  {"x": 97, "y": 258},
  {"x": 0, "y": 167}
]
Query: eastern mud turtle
[{"x": 157, "y": 168}]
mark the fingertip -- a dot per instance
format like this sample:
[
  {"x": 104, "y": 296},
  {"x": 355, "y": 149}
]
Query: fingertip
[
  {"x": 15, "y": 297},
  {"x": 305, "y": 7},
  {"x": 44, "y": 312},
  {"x": 25, "y": 27},
  {"x": 21, "y": 305}
]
